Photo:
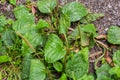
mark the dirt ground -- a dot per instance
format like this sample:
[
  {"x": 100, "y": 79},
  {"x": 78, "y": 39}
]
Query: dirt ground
[{"x": 111, "y": 9}]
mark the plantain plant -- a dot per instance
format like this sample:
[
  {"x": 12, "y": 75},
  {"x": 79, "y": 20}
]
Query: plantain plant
[{"x": 53, "y": 48}]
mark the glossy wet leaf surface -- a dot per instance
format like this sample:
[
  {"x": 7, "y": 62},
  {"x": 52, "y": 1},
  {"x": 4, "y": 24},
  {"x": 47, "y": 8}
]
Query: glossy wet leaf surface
[
  {"x": 74, "y": 10},
  {"x": 54, "y": 49}
]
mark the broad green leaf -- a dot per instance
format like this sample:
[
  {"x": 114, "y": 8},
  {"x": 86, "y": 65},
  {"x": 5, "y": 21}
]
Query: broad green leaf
[
  {"x": 63, "y": 77},
  {"x": 116, "y": 58},
  {"x": 85, "y": 52},
  {"x": 46, "y": 6},
  {"x": 78, "y": 65},
  {"x": 54, "y": 49},
  {"x": 64, "y": 24},
  {"x": 4, "y": 59},
  {"x": 33, "y": 69},
  {"x": 3, "y": 21},
  {"x": 21, "y": 12},
  {"x": 115, "y": 71},
  {"x": 58, "y": 66},
  {"x": 37, "y": 70},
  {"x": 9, "y": 38},
  {"x": 90, "y": 28},
  {"x": 103, "y": 72},
  {"x": 23, "y": 25},
  {"x": 34, "y": 40},
  {"x": 113, "y": 35},
  {"x": 42, "y": 24},
  {"x": 87, "y": 77},
  {"x": 91, "y": 17},
  {"x": 75, "y": 11},
  {"x": 13, "y": 2}
]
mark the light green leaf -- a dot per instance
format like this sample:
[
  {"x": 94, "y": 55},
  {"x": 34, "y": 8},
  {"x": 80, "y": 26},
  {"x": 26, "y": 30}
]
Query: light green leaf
[
  {"x": 37, "y": 70},
  {"x": 90, "y": 28},
  {"x": 84, "y": 39},
  {"x": 113, "y": 35},
  {"x": 75, "y": 11},
  {"x": 77, "y": 66},
  {"x": 91, "y": 17},
  {"x": 115, "y": 71},
  {"x": 46, "y": 6},
  {"x": 42, "y": 24},
  {"x": 87, "y": 77},
  {"x": 116, "y": 58},
  {"x": 3, "y": 21},
  {"x": 4, "y": 59},
  {"x": 58, "y": 66},
  {"x": 64, "y": 24},
  {"x": 103, "y": 72},
  {"x": 54, "y": 49},
  {"x": 13, "y": 2},
  {"x": 21, "y": 12},
  {"x": 85, "y": 53},
  {"x": 63, "y": 77}
]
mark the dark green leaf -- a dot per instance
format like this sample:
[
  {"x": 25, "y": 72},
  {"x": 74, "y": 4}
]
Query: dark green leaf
[
  {"x": 46, "y": 6},
  {"x": 37, "y": 70},
  {"x": 42, "y": 24},
  {"x": 58, "y": 66},
  {"x": 26, "y": 67},
  {"x": 113, "y": 35},
  {"x": 78, "y": 65},
  {"x": 75, "y": 11},
  {"x": 54, "y": 49},
  {"x": 103, "y": 72},
  {"x": 116, "y": 58},
  {"x": 4, "y": 59},
  {"x": 9, "y": 38},
  {"x": 64, "y": 24}
]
